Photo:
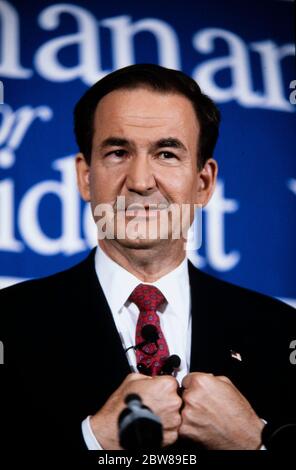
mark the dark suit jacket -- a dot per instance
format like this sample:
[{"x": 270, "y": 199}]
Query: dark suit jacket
[{"x": 64, "y": 358}]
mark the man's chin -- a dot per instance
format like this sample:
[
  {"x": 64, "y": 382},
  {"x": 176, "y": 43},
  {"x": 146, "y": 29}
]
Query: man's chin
[{"x": 140, "y": 243}]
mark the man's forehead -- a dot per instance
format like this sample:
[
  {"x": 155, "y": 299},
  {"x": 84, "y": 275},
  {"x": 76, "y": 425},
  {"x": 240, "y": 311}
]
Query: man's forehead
[
  {"x": 145, "y": 102},
  {"x": 145, "y": 108}
]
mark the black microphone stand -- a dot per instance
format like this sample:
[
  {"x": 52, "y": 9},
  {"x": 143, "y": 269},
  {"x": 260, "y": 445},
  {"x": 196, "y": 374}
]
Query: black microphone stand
[{"x": 139, "y": 428}]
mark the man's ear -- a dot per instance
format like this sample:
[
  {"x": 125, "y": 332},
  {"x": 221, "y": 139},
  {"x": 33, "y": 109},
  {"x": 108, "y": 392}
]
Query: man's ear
[
  {"x": 82, "y": 173},
  {"x": 207, "y": 177}
]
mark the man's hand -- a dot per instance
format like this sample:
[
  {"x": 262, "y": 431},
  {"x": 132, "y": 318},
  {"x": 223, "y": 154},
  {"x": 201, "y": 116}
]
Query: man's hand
[
  {"x": 158, "y": 393},
  {"x": 217, "y": 415}
]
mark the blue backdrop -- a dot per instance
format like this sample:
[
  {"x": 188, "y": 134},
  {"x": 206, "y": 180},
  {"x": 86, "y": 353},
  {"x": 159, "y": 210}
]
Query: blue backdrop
[{"x": 241, "y": 53}]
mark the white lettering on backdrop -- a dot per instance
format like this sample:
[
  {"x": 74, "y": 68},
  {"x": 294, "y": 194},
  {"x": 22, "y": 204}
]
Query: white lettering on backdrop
[
  {"x": 23, "y": 217},
  {"x": 123, "y": 32}
]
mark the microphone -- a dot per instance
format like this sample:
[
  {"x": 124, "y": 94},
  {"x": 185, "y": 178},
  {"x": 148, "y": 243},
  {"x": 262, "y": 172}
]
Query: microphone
[
  {"x": 144, "y": 369},
  {"x": 172, "y": 363},
  {"x": 150, "y": 335},
  {"x": 139, "y": 428},
  {"x": 279, "y": 437}
]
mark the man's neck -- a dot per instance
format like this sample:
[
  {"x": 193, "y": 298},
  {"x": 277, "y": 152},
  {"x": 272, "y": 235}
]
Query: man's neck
[{"x": 148, "y": 264}]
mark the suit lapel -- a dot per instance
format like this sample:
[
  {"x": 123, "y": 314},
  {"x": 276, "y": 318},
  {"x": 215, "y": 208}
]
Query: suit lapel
[
  {"x": 210, "y": 341},
  {"x": 204, "y": 328},
  {"x": 104, "y": 362}
]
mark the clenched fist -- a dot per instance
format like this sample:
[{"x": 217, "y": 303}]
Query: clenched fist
[
  {"x": 217, "y": 415},
  {"x": 158, "y": 393}
]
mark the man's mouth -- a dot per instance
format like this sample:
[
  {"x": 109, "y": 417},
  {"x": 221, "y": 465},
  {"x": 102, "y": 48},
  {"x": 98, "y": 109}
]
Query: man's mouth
[{"x": 147, "y": 210}]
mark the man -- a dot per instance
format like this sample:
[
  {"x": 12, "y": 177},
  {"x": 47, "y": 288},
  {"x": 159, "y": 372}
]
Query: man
[{"x": 145, "y": 134}]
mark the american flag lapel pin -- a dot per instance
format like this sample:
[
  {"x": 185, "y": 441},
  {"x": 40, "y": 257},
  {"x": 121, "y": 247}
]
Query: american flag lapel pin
[{"x": 235, "y": 355}]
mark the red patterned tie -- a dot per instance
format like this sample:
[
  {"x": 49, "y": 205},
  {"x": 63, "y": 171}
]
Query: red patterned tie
[{"x": 148, "y": 299}]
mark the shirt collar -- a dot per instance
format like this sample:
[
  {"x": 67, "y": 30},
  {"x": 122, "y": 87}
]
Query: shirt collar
[{"x": 118, "y": 283}]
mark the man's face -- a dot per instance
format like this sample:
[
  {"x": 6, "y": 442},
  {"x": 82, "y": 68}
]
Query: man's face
[{"x": 145, "y": 148}]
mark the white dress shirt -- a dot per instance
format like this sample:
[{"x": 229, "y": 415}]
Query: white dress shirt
[{"x": 175, "y": 319}]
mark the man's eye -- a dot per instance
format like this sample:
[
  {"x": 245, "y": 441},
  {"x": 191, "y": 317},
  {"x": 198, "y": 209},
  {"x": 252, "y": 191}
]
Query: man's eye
[
  {"x": 167, "y": 155},
  {"x": 117, "y": 153}
]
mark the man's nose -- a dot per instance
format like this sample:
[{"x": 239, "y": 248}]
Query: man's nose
[{"x": 140, "y": 177}]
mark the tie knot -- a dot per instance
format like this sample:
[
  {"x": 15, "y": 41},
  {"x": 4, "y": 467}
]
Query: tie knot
[{"x": 147, "y": 297}]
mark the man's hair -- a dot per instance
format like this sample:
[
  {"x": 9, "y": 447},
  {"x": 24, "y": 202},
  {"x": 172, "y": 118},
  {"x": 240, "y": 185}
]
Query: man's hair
[{"x": 158, "y": 79}]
